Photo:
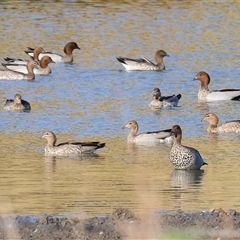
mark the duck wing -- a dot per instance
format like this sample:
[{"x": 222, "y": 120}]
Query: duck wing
[
  {"x": 54, "y": 56},
  {"x": 15, "y": 60},
  {"x": 224, "y": 94},
  {"x": 162, "y": 134},
  {"x": 86, "y": 147}
]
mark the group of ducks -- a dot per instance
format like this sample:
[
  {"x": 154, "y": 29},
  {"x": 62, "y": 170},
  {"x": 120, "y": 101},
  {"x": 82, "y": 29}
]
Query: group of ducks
[
  {"x": 181, "y": 157},
  {"x": 19, "y": 69}
]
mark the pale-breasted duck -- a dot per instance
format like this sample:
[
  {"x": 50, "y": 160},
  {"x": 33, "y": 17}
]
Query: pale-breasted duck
[
  {"x": 68, "y": 50},
  {"x": 14, "y": 75},
  {"x": 68, "y": 148},
  {"x": 204, "y": 94},
  {"x": 42, "y": 68},
  {"x": 232, "y": 126},
  {"x": 143, "y": 63},
  {"x": 147, "y": 137}
]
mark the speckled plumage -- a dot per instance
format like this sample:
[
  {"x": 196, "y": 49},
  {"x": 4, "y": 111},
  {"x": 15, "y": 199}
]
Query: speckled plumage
[
  {"x": 68, "y": 148},
  {"x": 143, "y": 63},
  {"x": 14, "y": 75},
  {"x": 232, "y": 126},
  {"x": 183, "y": 157},
  {"x": 147, "y": 137},
  {"x": 17, "y": 104}
]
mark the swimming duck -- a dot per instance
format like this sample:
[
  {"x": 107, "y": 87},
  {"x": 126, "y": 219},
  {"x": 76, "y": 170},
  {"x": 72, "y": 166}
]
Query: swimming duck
[
  {"x": 68, "y": 49},
  {"x": 159, "y": 101},
  {"x": 232, "y": 126},
  {"x": 156, "y": 136},
  {"x": 17, "y": 104},
  {"x": 68, "y": 148},
  {"x": 42, "y": 68},
  {"x": 14, "y": 75},
  {"x": 204, "y": 94},
  {"x": 182, "y": 157},
  {"x": 143, "y": 63},
  {"x": 36, "y": 52}
]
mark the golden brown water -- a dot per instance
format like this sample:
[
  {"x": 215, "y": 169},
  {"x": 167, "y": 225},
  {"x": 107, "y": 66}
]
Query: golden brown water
[{"x": 92, "y": 100}]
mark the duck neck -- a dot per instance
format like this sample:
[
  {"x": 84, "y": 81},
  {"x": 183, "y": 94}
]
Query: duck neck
[
  {"x": 212, "y": 128},
  {"x": 36, "y": 53},
  {"x": 52, "y": 142},
  {"x": 43, "y": 63},
  {"x": 204, "y": 86},
  {"x": 30, "y": 70},
  {"x": 178, "y": 138},
  {"x": 132, "y": 134},
  {"x": 159, "y": 61},
  {"x": 68, "y": 58}
]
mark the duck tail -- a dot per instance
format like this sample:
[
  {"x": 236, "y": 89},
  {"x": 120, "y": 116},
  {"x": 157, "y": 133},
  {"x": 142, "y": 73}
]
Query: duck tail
[
  {"x": 101, "y": 145},
  {"x": 121, "y": 60},
  {"x": 237, "y": 98}
]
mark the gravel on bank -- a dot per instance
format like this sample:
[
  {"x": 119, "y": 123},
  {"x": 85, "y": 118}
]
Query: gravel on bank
[{"x": 124, "y": 224}]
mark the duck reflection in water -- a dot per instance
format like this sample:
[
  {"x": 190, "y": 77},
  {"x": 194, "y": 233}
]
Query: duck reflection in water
[{"x": 184, "y": 182}]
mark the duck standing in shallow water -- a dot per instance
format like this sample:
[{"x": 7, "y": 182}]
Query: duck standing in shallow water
[
  {"x": 14, "y": 75},
  {"x": 68, "y": 148},
  {"x": 68, "y": 50},
  {"x": 159, "y": 101},
  {"x": 232, "y": 126},
  {"x": 143, "y": 63},
  {"x": 204, "y": 94},
  {"x": 42, "y": 68},
  {"x": 147, "y": 137},
  {"x": 17, "y": 104},
  {"x": 183, "y": 157}
]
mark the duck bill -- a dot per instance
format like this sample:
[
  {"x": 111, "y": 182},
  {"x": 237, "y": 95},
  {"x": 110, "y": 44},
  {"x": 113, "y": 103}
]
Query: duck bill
[{"x": 204, "y": 119}]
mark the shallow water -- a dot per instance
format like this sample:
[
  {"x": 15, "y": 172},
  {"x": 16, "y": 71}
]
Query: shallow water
[{"x": 94, "y": 97}]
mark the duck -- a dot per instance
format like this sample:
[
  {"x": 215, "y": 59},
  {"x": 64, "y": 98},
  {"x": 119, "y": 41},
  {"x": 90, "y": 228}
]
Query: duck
[
  {"x": 68, "y": 148},
  {"x": 162, "y": 136},
  {"x": 143, "y": 63},
  {"x": 183, "y": 157},
  {"x": 204, "y": 94},
  {"x": 14, "y": 75},
  {"x": 42, "y": 68},
  {"x": 232, "y": 126},
  {"x": 36, "y": 52},
  {"x": 68, "y": 49},
  {"x": 159, "y": 101},
  {"x": 17, "y": 104}
]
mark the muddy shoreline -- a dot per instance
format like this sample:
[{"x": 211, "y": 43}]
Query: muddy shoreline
[{"x": 124, "y": 224}]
